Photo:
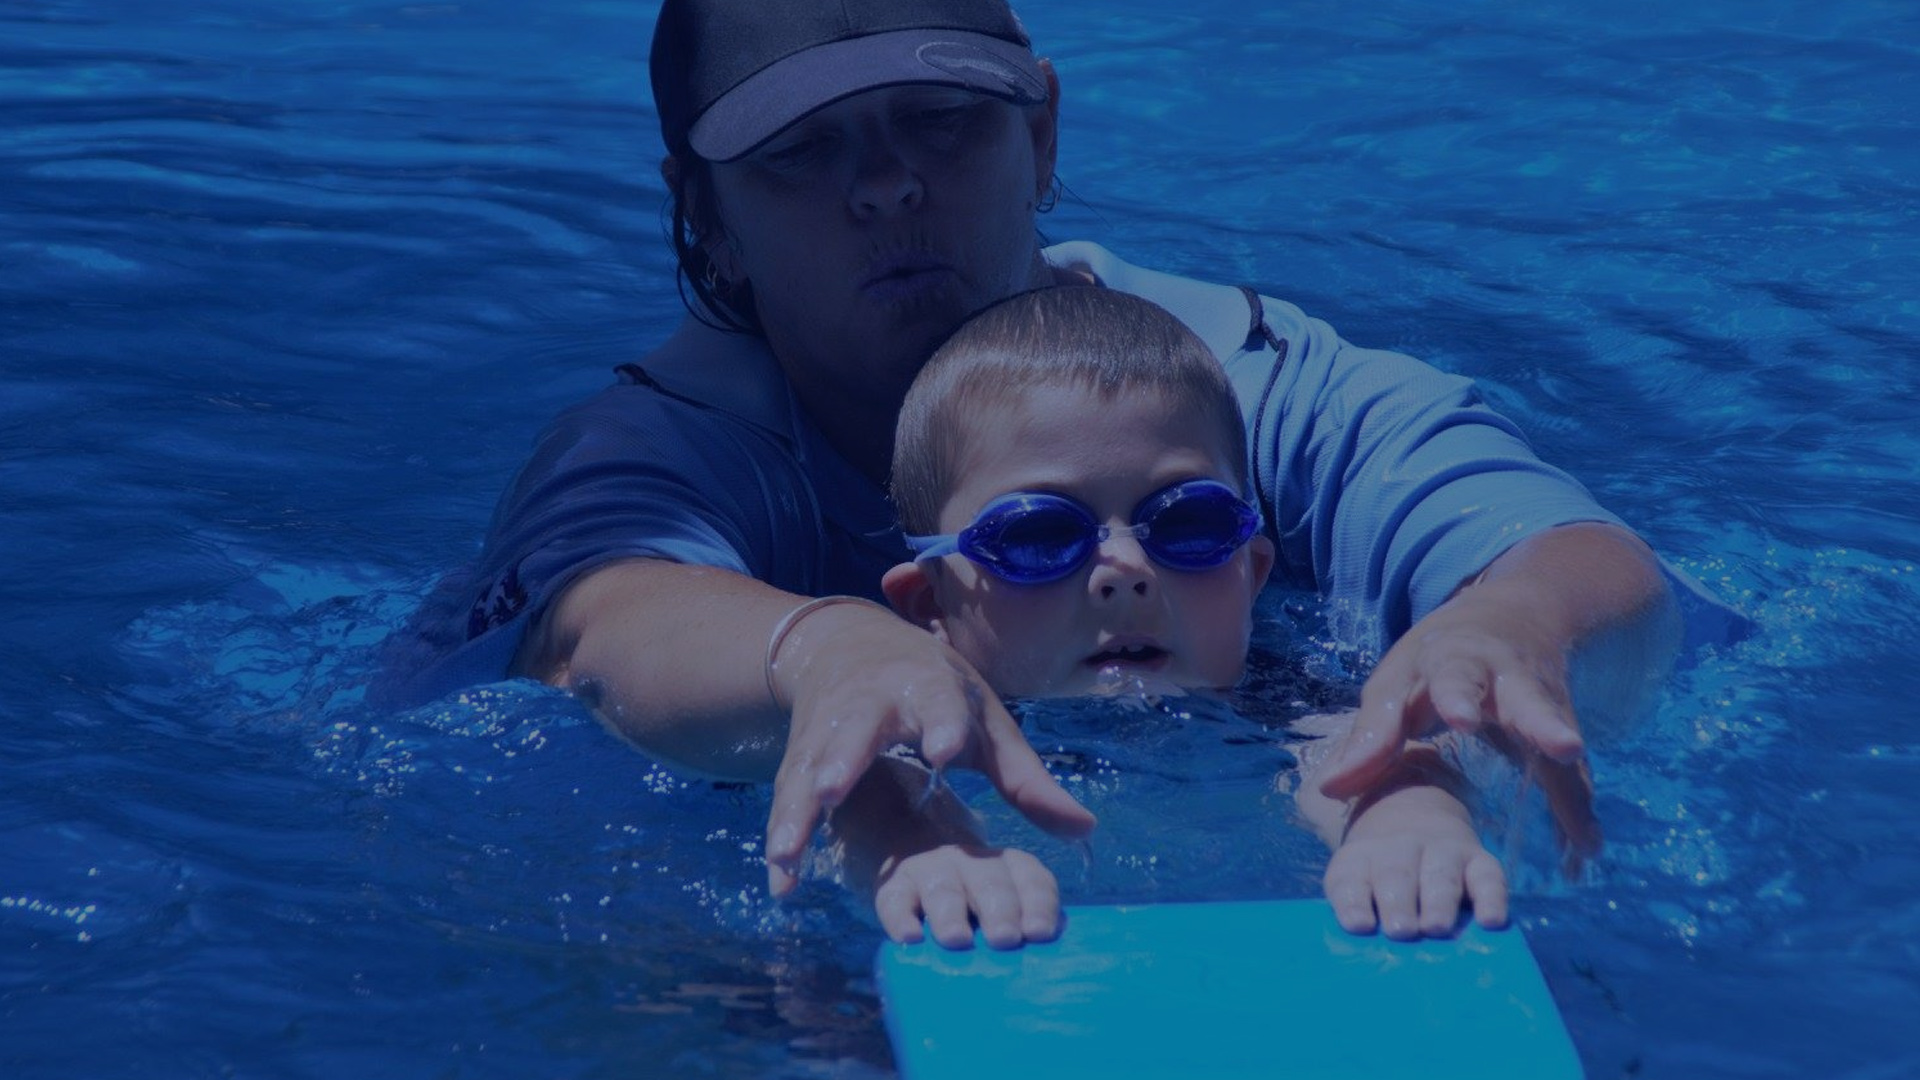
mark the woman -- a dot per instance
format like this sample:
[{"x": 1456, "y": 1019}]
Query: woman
[{"x": 849, "y": 181}]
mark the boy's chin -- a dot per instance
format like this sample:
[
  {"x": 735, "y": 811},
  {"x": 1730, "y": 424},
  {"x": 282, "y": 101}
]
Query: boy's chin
[{"x": 1123, "y": 681}]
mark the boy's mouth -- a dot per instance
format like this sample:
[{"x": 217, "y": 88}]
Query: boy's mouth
[{"x": 1133, "y": 654}]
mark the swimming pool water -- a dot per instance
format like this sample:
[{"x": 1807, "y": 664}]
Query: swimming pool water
[{"x": 285, "y": 290}]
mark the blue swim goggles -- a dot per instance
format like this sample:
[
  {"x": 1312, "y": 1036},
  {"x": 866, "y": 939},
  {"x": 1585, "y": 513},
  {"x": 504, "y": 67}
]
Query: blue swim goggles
[{"x": 1033, "y": 537}]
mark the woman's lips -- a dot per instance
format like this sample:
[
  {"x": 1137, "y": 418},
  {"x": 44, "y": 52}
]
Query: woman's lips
[{"x": 898, "y": 277}]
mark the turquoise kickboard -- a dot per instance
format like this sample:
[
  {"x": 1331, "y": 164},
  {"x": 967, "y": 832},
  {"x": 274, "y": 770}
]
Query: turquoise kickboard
[{"x": 1224, "y": 990}]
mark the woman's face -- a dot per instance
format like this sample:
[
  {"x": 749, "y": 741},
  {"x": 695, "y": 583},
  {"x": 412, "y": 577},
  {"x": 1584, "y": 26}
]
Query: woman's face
[{"x": 872, "y": 227}]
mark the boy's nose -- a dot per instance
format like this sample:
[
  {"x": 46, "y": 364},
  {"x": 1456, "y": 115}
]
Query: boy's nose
[{"x": 1121, "y": 568}]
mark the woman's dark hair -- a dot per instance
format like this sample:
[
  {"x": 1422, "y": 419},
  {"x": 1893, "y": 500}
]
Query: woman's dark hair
[{"x": 693, "y": 218}]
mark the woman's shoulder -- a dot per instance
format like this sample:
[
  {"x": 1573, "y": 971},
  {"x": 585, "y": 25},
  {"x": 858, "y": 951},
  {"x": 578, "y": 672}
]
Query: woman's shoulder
[
  {"x": 1233, "y": 319},
  {"x": 716, "y": 374}
]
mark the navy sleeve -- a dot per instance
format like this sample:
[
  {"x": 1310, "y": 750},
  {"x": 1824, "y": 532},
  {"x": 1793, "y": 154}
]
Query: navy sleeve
[{"x": 629, "y": 473}]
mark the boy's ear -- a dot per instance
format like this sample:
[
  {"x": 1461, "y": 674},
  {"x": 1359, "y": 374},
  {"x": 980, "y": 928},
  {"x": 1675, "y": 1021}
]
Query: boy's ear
[
  {"x": 909, "y": 588},
  {"x": 1260, "y": 549}
]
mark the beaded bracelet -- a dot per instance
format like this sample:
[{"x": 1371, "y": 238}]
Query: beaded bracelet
[{"x": 785, "y": 626}]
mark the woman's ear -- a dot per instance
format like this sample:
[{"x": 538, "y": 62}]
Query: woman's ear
[
  {"x": 723, "y": 256},
  {"x": 909, "y": 587},
  {"x": 1043, "y": 125}
]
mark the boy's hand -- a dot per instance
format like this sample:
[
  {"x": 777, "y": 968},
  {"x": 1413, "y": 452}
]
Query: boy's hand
[
  {"x": 1012, "y": 897},
  {"x": 1408, "y": 862}
]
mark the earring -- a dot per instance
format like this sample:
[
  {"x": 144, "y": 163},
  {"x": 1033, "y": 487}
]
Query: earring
[
  {"x": 1049, "y": 198},
  {"x": 716, "y": 284}
]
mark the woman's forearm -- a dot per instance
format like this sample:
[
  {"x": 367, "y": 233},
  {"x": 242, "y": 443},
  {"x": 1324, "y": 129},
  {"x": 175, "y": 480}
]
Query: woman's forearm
[
  {"x": 1603, "y": 593},
  {"x": 672, "y": 658}
]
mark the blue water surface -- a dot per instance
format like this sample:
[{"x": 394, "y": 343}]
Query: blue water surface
[{"x": 287, "y": 287}]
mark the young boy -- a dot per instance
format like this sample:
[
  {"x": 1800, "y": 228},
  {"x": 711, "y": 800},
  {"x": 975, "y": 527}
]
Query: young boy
[{"x": 1071, "y": 468}]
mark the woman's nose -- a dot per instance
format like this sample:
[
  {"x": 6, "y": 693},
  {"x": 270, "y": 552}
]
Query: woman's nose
[{"x": 884, "y": 182}]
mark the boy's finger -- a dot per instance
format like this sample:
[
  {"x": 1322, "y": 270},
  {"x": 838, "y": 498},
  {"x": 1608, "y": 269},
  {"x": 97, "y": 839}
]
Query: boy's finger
[
  {"x": 1039, "y": 897},
  {"x": 899, "y": 913},
  {"x": 1396, "y": 895},
  {"x": 948, "y": 920},
  {"x": 1487, "y": 886},
  {"x": 1351, "y": 897},
  {"x": 996, "y": 906},
  {"x": 1442, "y": 886}
]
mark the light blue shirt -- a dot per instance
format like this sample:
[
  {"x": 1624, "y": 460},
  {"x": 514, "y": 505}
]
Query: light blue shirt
[{"x": 1384, "y": 482}]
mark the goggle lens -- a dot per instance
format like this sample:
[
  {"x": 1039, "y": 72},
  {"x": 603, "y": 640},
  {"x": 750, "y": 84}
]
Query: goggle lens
[
  {"x": 1197, "y": 525},
  {"x": 1031, "y": 538},
  {"x": 1035, "y": 537}
]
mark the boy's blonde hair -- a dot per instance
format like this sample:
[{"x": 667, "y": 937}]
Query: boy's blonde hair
[{"x": 1100, "y": 339}]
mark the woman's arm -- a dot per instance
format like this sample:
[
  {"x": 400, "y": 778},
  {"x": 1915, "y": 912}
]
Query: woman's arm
[{"x": 673, "y": 657}]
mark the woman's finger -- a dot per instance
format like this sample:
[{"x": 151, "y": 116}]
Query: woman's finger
[
  {"x": 790, "y": 823},
  {"x": 1460, "y": 692},
  {"x": 1539, "y": 717},
  {"x": 1568, "y": 788},
  {"x": 1023, "y": 780},
  {"x": 1380, "y": 729}
]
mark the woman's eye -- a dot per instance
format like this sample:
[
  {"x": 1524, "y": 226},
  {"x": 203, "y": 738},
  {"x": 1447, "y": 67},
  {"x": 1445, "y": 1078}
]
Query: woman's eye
[
  {"x": 794, "y": 153},
  {"x": 939, "y": 119}
]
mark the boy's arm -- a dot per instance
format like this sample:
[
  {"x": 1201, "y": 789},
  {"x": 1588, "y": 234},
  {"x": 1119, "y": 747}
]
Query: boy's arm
[
  {"x": 1405, "y": 853},
  {"x": 911, "y": 844}
]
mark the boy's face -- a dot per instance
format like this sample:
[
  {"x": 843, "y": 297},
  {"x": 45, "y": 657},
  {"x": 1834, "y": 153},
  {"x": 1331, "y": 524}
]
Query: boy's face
[{"x": 1120, "y": 614}]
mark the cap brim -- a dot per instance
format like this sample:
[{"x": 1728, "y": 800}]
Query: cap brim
[{"x": 783, "y": 92}]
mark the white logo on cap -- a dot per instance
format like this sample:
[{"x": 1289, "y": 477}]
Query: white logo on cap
[{"x": 969, "y": 62}]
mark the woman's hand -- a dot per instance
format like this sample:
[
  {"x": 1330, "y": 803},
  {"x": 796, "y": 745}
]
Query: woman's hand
[
  {"x": 861, "y": 680},
  {"x": 1494, "y": 661}
]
